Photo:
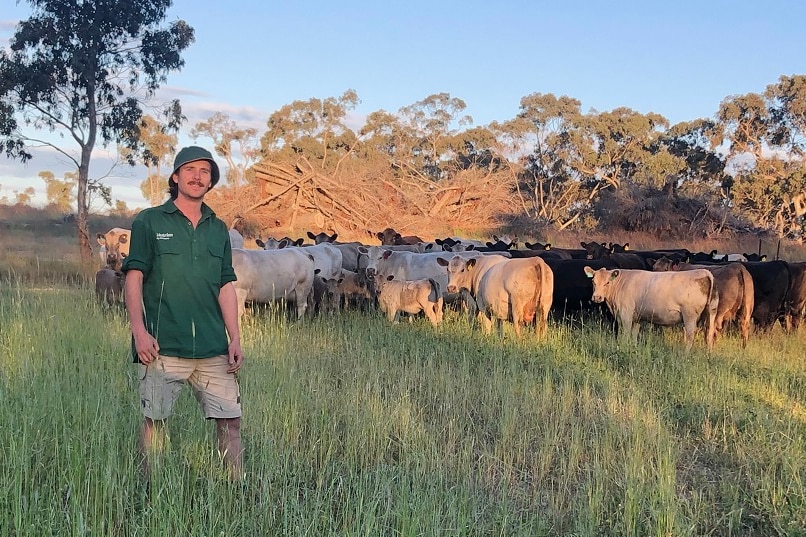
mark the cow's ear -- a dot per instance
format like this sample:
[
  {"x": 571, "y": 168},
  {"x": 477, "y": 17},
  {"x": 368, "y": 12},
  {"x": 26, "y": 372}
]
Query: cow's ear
[
  {"x": 764, "y": 257},
  {"x": 548, "y": 246},
  {"x": 260, "y": 243},
  {"x": 380, "y": 236},
  {"x": 588, "y": 272},
  {"x": 614, "y": 274},
  {"x": 471, "y": 247},
  {"x": 471, "y": 262},
  {"x": 124, "y": 238},
  {"x": 584, "y": 245},
  {"x": 363, "y": 250},
  {"x": 101, "y": 239},
  {"x": 386, "y": 254},
  {"x": 300, "y": 241},
  {"x": 651, "y": 262},
  {"x": 626, "y": 246},
  {"x": 311, "y": 236},
  {"x": 441, "y": 261},
  {"x": 390, "y": 277},
  {"x": 333, "y": 237}
]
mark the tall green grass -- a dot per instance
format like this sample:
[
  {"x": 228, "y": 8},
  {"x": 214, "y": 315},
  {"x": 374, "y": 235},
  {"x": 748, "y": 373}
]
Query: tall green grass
[{"x": 353, "y": 426}]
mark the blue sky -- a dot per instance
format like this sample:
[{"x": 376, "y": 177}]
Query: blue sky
[{"x": 679, "y": 59}]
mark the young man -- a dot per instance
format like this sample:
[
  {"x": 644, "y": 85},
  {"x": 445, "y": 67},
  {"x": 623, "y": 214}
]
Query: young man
[{"x": 183, "y": 311}]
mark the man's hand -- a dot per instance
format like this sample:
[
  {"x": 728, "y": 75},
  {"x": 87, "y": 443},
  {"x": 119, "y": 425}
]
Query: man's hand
[
  {"x": 146, "y": 346},
  {"x": 235, "y": 356}
]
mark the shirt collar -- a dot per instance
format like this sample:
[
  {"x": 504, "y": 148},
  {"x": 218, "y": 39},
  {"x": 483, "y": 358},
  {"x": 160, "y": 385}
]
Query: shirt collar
[{"x": 170, "y": 207}]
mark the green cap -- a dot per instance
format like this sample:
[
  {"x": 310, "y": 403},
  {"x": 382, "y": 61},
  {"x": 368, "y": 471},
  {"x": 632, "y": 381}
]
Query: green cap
[{"x": 193, "y": 152}]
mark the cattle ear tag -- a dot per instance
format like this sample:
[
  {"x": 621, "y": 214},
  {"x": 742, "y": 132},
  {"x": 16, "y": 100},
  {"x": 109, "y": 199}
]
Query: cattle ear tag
[{"x": 614, "y": 275}]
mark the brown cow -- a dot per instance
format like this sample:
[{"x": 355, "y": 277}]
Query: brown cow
[
  {"x": 390, "y": 237},
  {"x": 520, "y": 290},
  {"x": 114, "y": 246},
  {"x": 736, "y": 290},
  {"x": 663, "y": 298},
  {"x": 410, "y": 296}
]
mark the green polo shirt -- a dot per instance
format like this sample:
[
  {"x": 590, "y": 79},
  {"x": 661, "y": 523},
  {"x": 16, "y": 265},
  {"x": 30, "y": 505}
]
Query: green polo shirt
[{"x": 183, "y": 271}]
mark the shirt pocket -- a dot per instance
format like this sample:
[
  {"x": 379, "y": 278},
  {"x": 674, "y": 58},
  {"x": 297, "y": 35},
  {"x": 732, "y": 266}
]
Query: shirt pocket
[
  {"x": 215, "y": 263},
  {"x": 170, "y": 258}
]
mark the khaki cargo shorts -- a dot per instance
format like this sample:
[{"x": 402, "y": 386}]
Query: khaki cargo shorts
[{"x": 162, "y": 380}]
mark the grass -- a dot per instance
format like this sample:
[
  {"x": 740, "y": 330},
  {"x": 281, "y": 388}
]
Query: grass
[{"x": 356, "y": 427}]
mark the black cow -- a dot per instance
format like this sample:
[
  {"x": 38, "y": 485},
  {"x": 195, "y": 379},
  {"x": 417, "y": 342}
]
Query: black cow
[
  {"x": 572, "y": 287},
  {"x": 771, "y": 280},
  {"x": 622, "y": 260}
]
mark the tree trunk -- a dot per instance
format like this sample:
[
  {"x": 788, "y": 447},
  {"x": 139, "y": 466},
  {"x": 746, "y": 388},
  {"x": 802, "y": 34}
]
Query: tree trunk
[{"x": 82, "y": 213}]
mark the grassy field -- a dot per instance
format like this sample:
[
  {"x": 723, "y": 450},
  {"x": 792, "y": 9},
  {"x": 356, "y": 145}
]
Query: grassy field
[{"x": 356, "y": 427}]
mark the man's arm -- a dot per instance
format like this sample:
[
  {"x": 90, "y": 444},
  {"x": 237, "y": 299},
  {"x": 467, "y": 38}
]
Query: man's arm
[
  {"x": 145, "y": 345},
  {"x": 229, "y": 311}
]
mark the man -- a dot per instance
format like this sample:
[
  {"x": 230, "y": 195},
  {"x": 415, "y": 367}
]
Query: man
[{"x": 183, "y": 310}]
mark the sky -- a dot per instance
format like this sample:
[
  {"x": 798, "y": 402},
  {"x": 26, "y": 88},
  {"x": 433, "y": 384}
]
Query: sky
[{"x": 251, "y": 57}]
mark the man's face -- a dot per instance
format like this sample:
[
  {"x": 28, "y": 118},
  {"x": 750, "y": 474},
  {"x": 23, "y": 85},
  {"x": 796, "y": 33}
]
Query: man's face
[{"x": 194, "y": 179}]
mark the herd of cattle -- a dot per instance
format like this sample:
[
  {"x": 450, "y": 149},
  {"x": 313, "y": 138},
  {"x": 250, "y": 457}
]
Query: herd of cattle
[{"x": 497, "y": 281}]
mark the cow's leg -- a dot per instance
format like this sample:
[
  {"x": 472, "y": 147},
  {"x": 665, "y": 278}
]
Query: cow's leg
[
  {"x": 485, "y": 321},
  {"x": 429, "y": 308},
  {"x": 690, "y": 331},
  {"x": 625, "y": 328}
]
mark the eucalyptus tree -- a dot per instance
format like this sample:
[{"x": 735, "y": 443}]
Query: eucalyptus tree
[
  {"x": 315, "y": 129},
  {"x": 431, "y": 124},
  {"x": 85, "y": 70},
  {"x": 764, "y": 137},
  {"x": 238, "y": 146},
  {"x": 534, "y": 146},
  {"x": 155, "y": 150}
]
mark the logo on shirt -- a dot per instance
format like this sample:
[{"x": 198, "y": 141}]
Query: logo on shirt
[{"x": 164, "y": 236}]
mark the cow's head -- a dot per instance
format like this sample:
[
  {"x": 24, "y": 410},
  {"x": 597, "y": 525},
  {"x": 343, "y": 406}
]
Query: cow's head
[
  {"x": 114, "y": 246},
  {"x": 460, "y": 272},
  {"x": 595, "y": 250},
  {"x": 387, "y": 237},
  {"x": 602, "y": 282},
  {"x": 322, "y": 237}
]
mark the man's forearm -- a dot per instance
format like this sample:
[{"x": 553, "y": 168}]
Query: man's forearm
[{"x": 228, "y": 301}]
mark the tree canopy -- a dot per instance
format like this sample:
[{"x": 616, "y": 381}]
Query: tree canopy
[{"x": 86, "y": 70}]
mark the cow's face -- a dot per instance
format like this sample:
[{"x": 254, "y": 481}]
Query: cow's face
[
  {"x": 321, "y": 237},
  {"x": 374, "y": 256},
  {"x": 602, "y": 282},
  {"x": 662, "y": 264},
  {"x": 115, "y": 246},
  {"x": 460, "y": 273},
  {"x": 387, "y": 237}
]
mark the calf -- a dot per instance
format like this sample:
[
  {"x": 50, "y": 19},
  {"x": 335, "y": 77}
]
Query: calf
[
  {"x": 353, "y": 289},
  {"x": 109, "y": 285},
  {"x": 412, "y": 296},
  {"x": 663, "y": 298}
]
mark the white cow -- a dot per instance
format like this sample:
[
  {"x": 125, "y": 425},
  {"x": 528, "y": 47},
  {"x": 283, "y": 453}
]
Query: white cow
[
  {"x": 326, "y": 257},
  {"x": 518, "y": 290},
  {"x": 411, "y": 266},
  {"x": 662, "y": 298},
  {"x": 266, "y": 276}
]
